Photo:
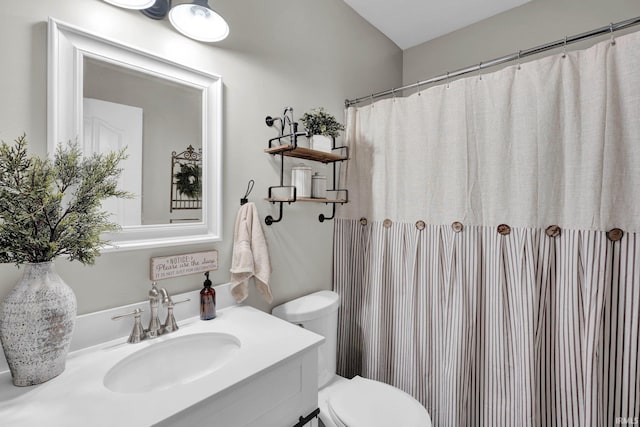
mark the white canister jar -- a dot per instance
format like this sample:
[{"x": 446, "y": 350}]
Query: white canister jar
[
  {"x": 318, "y": 186},
  {"x": 301, "y": 179}
]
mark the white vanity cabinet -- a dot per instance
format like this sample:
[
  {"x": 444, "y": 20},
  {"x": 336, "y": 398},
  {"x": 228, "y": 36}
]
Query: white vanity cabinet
[
  {"x": 276, "y": 397},
  {"x": 269, "y": 381}
]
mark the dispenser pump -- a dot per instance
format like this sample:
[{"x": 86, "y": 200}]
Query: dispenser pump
[{"x": 207, "y": 300}]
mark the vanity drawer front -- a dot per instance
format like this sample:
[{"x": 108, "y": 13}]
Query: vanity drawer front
[
  {"x": 278, "y": 390},
  {"x": 275, "y": 398}
]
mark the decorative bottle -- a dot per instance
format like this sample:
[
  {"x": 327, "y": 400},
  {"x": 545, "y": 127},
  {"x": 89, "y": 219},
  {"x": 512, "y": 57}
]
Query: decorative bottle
[{"x": 207, "y": 300}]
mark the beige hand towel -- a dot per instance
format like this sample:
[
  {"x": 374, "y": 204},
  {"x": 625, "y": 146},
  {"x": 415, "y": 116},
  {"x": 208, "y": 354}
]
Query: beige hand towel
[{"x": 250, "y": 255}]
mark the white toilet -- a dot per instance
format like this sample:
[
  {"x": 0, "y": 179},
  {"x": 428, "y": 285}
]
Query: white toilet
[{"x": 358, "y": 402}]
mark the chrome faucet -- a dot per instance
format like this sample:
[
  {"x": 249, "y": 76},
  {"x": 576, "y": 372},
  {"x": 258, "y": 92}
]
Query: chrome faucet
[
  {"x": 137, "y": 334},
  {"x": 170, "y": 324},
  {"x": 155, "y": 329}
]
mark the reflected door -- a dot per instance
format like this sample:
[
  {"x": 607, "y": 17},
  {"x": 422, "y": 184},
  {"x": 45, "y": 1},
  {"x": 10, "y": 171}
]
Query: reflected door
[{"x": 109, "y": 126}]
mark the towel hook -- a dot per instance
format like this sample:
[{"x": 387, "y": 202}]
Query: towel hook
[
  {"x": 244, "y": 200},
  {"x": 613, "y": 41}
]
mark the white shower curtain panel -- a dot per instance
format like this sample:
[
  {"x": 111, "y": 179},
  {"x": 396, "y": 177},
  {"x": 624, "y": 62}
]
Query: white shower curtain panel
[
  {"x": 554, "y": 142},
  {"x": 490, "y": 329}
]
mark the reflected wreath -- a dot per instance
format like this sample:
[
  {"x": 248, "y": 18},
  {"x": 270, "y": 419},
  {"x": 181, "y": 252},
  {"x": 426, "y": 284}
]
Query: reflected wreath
[{"x": 188, "y": 180}]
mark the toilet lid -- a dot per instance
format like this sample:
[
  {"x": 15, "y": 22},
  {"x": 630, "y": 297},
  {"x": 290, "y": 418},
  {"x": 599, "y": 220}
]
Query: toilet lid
[{"x": 366, "y": 403}]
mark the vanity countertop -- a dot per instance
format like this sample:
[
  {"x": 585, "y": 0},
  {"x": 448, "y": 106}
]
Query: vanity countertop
[{"x": 78, "y": 396}]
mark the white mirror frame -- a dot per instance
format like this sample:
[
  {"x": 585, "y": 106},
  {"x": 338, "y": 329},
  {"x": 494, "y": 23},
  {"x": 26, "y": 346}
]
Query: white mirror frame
[{"x": 68, "y": 46}]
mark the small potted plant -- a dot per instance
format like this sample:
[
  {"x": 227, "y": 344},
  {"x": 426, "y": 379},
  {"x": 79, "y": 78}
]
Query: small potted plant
[
  {"x": 322, "y": 128},
  {"x": 48, "y": 208}
]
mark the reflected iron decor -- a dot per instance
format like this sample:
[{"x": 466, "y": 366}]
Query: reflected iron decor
[{"x": 186, "y": 179}]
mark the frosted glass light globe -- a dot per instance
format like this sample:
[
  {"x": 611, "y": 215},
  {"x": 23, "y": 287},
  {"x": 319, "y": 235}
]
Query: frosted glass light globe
[
  {"x": 199, "y": 22},
  {"x": 132, "y": 4}
]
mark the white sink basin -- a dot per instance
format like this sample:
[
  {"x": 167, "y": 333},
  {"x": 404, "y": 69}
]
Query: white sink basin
[
  {"x": 171, "y": 361},
  {"x": 243, "y": 355}
]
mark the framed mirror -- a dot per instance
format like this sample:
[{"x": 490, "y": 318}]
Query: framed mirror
[{"x": 108, "y": 96}]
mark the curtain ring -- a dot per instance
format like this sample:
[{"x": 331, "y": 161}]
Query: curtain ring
[
  {"x": 371, "y": 97},
  {"x": 457, "y": 226},
  {"x": 479, "y": 71},
  {"x": 363, "y": 221},
  {"x": 613, "y": 41},
  {"x": 420, "y": 225},
  {"x": 519, "y": 66},
  {"x": 564, "y": 47},
  {"x": 393, "y": 93},
  {"x": 615, "y": 234},
  {"x": 553, "y": 231},
  {"x": 447, "y": 80},
  {"x": 387, "y": 223},
  {"x": 504, "y": 229},
  {"x": 419, "y": 91}
]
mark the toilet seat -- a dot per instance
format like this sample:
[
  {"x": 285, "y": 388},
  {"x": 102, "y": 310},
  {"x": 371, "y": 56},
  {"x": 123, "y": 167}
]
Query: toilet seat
[{"x": 360, "y": 402}]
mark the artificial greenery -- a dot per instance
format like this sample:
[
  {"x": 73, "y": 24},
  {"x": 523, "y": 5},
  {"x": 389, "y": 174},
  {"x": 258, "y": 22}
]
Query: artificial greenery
[
  {"x": 53, "y": 207},
  {"x": 319, "y": 122},
  {"x": 188, "y": 180}
]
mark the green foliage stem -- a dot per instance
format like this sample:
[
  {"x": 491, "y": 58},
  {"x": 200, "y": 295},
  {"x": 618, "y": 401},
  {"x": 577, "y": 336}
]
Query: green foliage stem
[{"x": 53, "y": 207}]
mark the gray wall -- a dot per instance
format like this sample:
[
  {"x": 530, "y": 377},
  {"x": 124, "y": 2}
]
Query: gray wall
[
  {"x": 299, "y": 53},
  {"x": 529, "y": 25}
]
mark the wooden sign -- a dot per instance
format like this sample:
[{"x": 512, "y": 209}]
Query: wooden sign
[{"x": 182, "y": 265}]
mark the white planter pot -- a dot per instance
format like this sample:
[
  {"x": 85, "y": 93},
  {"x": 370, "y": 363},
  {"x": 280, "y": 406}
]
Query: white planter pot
[
  {"x": 321, "y": 143},
  {"x": 36, "y": 324}
]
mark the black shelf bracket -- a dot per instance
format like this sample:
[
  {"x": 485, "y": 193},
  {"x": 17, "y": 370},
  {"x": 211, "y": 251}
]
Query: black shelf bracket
[
  {"x": 269, "y": 219},
  {"x": 322, "y": 217}
]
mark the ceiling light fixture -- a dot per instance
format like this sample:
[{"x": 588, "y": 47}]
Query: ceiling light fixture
[
  {"x": 131, "y": 4},
  {"x": 194, "y": 19},
  {"x": 198, "y": 21}
]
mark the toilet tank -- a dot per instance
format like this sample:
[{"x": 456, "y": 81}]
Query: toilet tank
[{"x": 317, "y": 312}]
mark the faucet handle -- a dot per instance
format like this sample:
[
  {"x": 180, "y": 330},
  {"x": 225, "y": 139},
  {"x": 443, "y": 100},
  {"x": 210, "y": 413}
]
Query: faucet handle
[
  {"x": 137, "y": 333},
  {"x": 170, "y": 324},
  {"x": 137, "y": 313}
]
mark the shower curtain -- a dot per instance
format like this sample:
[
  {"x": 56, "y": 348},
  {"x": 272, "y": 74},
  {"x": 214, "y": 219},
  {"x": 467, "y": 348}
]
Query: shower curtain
[{"x": 489, "y": 258}]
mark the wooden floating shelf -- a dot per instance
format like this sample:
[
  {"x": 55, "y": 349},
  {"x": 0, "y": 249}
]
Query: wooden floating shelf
[
  {"x": 305, "y": 199},
  {"x": 339, "y": 154},
  {"x": 305, "y": 153}
]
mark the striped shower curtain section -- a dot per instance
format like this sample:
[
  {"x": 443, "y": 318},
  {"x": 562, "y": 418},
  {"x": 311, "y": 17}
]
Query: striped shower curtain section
[{"x": 486, "y": 329}]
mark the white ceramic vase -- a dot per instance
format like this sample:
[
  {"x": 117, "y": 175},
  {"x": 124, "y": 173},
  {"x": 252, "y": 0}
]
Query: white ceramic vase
[{"x": 36, "y": 324}]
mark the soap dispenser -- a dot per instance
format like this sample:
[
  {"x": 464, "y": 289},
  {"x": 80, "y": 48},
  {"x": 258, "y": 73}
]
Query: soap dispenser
[{"x": 207, "y": 300}]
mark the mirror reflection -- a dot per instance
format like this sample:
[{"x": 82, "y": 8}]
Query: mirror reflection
[{"x": 160, "y": 123}]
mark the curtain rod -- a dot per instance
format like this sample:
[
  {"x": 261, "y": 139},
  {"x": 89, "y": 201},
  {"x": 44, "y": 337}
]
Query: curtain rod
[{"x": 507, "y": 58}]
